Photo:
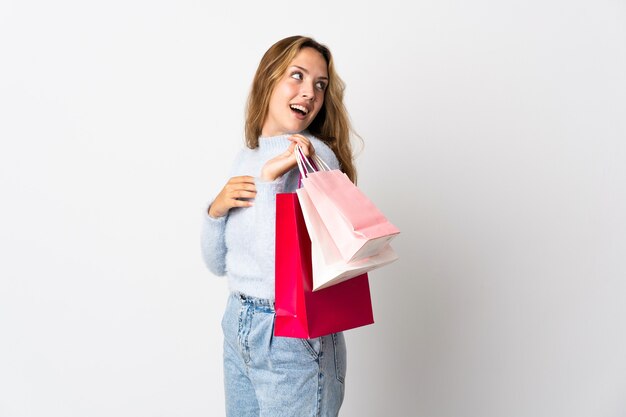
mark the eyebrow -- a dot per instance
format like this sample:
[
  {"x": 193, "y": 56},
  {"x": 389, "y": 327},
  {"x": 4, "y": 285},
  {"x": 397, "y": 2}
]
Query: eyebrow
[{"x": 307, "y": 71}]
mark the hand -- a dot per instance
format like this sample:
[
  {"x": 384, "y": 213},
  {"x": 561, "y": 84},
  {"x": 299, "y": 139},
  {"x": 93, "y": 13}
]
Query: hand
[
  {"x": 235, "y": 189},
  {"x": 282, "y": 163}
]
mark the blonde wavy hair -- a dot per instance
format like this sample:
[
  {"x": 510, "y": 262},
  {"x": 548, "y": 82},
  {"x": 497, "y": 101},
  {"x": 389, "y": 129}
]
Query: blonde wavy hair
[{"x": 332, "y": 123}]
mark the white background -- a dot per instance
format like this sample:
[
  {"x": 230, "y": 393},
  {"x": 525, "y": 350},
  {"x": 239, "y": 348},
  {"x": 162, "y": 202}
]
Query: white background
[{"x": 494, "y": 139}]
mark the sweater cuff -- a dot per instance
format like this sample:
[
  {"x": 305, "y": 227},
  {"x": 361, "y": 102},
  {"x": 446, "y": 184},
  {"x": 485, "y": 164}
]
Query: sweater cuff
[
  {"x": 268, "y": 189},
  {"x": 215, "y": 220}
]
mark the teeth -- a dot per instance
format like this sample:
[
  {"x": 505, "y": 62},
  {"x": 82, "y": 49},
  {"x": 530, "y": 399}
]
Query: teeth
[{"x": 301, "y": 108}]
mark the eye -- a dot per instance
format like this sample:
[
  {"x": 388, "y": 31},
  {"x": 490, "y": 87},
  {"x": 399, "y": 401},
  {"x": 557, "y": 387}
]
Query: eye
[
  {"x": 320, "y": 85},
  {"x": 297, "y": 75}
]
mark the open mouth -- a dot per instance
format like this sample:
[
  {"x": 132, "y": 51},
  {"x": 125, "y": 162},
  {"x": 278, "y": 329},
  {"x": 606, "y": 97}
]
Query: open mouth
[{"x": 301, "y": 110}]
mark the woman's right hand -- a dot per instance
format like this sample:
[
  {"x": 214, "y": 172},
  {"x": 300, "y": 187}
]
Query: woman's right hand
[{"x": 231, "y": 195}]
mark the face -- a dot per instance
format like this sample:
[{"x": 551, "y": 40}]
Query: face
[{"x": 298, "y": 96}]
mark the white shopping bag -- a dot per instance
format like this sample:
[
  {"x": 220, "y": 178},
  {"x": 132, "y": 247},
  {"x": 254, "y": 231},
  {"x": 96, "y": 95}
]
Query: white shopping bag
[{"x": 329, "y": 267}]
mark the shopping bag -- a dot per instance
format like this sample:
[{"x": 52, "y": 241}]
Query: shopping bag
[
  {"x": 300, "y": 312},
  {"x": 328, "y": 266},
  {"x": 358, "y": 228}
]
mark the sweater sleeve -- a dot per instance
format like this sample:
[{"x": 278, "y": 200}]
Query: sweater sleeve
[
  {"x": 212, "y": 243},
  {"x": 212, "y": 236}
]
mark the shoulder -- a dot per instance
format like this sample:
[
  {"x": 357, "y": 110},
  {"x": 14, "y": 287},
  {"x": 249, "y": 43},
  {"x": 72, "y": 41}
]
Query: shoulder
[
  {"x": 240, "y": 160},
  {"x": 323, "y": 151}
]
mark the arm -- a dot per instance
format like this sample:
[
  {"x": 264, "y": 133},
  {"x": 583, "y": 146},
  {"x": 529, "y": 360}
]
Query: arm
[
  {"x": 235, "y": 193},
  {"x": 212, "y": 243}
]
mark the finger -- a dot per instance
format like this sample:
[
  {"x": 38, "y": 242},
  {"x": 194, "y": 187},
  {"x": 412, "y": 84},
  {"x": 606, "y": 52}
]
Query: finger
[
  {"x": 303, "y": 142},
  {"x": 307, "y": 148},
  {"x": 248, "y": 186},
  {"x": 299, "y": 139},
  {"x": 242, "y": 179},
  {"x": 236, "y": 185},
  {"x": 238, "y": 194},
  {"x": 298, "y": 136},
  {"x": 235, "y": 188},
  {"x": 241, "y": 203}
]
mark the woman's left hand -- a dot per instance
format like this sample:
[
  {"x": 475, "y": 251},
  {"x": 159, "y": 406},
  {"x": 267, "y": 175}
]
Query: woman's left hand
[{"x": 277, "y": 166}]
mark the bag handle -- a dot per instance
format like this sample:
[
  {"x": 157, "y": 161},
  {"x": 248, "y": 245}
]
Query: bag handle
[
  {"x": 304, "y": 164},
  {"x": 308, "y": 165}
]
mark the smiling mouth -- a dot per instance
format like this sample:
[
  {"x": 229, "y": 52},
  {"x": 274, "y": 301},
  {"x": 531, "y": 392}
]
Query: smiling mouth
[{"x": 299, "y": 109}]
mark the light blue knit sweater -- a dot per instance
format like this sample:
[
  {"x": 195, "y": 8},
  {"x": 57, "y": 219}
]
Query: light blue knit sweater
[{"x": 240, "y": 245}]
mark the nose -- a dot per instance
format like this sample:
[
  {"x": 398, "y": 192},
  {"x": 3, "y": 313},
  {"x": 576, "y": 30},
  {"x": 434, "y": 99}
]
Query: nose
[{"x": 307, "y": 92}]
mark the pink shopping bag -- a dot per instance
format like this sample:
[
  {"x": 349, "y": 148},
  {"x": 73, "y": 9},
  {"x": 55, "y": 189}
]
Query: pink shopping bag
[
  {"x": 300, "y": 312},
  {"x": 329, "y": 268},
  {"x": 358, "y": 228}
]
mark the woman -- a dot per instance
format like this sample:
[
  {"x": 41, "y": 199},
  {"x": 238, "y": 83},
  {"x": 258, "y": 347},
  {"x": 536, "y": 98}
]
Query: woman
[{"x": 296, "y": 99}]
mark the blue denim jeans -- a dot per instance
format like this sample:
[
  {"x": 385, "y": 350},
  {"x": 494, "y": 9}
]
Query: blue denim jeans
[{"x": 271, "y": 376}]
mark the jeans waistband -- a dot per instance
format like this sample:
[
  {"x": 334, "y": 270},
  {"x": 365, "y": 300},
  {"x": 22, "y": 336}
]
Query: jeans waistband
[{"x": 260, "y": 303}]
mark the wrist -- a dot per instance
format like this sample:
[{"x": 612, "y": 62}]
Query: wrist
[
  {"x": 214, "y": 213},
  {"x": 268, "y": 175}
]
